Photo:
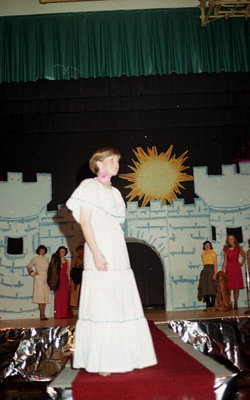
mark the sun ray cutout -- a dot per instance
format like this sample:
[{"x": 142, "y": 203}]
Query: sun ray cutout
[{"x": 156, "y": 176}]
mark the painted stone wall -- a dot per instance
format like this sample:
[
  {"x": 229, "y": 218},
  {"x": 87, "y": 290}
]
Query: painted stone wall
[
  {"x": 175, "y": 232},
  {"x": 24, "y": 217}
]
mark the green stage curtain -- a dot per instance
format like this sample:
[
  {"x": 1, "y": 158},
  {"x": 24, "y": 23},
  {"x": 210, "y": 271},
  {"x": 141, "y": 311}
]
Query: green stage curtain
[{"x": 131, "y": 43}]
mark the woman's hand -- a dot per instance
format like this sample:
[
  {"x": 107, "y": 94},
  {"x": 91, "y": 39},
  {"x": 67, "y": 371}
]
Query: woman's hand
[
  {"x": 214, "y": 277},
  {"x": 100, "y": 262},
  {"x": 243, "y": 254},
  {"x": 30, "y": 271}
]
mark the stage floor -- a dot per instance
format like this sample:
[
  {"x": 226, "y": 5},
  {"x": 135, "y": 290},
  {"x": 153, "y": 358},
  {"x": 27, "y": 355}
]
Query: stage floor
[{"x": 152, "y": 315}]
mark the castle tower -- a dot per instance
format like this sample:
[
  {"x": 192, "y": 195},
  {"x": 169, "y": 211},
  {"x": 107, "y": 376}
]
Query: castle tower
[
  {"x": 21, "y": 206},
  {"x": 227, "y": 197}
]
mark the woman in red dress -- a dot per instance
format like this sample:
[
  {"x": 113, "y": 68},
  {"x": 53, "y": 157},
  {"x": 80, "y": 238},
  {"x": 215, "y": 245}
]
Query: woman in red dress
[
  {"x": 61, "y": 306},
  {"x": 232, "y": 266}
]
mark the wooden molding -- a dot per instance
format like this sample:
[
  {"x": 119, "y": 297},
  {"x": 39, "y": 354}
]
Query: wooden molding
[{"x": 212, "y": 10}]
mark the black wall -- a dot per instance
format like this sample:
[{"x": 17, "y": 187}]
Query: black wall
[{"x": 54, "y": 126}]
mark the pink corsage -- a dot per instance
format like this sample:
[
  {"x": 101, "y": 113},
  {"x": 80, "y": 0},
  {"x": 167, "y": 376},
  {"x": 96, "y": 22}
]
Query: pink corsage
[{"x": 104, "y": 178}]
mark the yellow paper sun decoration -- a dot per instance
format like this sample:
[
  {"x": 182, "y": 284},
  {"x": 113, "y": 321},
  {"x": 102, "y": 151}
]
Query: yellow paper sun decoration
[{"x": 156, "y": 176}]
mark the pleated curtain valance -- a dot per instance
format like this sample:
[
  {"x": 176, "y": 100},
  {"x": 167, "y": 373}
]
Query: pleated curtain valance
[{"x": 112, "y": 44}]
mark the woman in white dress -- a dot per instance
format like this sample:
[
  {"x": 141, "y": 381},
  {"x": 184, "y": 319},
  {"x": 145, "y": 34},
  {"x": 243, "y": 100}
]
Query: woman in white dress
[
  {"x": 41, "y": 290},
  {"x": 112, "y": 334}
]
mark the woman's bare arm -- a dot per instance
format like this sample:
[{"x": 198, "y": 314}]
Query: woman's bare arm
[
  {"x": 243, "y": 254},
  {"x": 99, "y": 259},
  {"x": 224, "y": 262},
  {"x": 215, "y": 267}
]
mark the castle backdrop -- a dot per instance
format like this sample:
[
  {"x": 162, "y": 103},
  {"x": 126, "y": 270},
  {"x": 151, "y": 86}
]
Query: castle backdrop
[{"x": 174, "y": 231}]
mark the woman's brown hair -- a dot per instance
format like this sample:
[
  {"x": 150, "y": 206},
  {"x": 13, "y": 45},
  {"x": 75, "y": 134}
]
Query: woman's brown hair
[
  {"x": 100, "y": 155},
  {"x": 227, "y": 245}
]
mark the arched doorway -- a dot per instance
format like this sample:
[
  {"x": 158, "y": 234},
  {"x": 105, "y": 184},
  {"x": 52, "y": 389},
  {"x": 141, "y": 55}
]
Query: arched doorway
[{"x": 149, "y": 274}]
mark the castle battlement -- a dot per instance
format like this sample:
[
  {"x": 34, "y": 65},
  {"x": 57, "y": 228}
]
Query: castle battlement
[
  {"x": 179, "y": 208},
  {"x": 218, "y": 191},
  {"x": 228, "y": 170},
  {"x": 156, "y": 208},
  {"x": 33, "y": 195},
  {"x": 244, "y": 168},
  {"x": 175, "y": 210},
  {"x": 15, "y": 177}
]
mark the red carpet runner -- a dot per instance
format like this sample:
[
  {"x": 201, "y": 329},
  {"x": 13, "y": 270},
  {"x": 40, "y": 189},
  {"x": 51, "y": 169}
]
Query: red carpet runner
[{"x": 177, "y": 376}]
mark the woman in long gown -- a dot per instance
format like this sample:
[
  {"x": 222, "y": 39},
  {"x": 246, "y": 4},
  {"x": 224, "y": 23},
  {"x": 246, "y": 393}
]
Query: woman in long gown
[
  {"x": 61, "y": 305},
  {"x": 112, "y": 334},
  {"x": 232, "y": 266},
  {"x": 207, "y": 281},
  {"x": 41, "y": 290},
  {"x": 76, "y": 267}
]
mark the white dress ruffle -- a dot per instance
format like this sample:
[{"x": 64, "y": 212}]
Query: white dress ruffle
[{"x": 112, "y": 334}]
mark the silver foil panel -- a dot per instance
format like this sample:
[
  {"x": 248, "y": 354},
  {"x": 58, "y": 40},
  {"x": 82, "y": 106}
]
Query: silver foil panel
[
  {"x": 37, "y": 354},
  {"x": 226, "y": 340}
]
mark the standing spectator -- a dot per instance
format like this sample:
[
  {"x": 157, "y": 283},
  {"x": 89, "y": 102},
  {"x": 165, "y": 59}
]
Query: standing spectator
[
  {"x": 248, "y": 256},
  {"x": 61, "y": 307},
  {"x": 207, "y": 282},
  {"x": 76, "y": 268},
  {"x": 41, "y": 290},
  {"x": 232, "y": 266}
]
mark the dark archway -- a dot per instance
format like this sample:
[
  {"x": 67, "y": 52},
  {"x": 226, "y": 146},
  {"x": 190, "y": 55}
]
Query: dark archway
[{"x": 149, "y": 274}]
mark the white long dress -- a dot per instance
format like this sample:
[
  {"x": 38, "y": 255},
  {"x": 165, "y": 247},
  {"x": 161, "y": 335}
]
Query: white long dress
[
  {"x": 41, "y": 290},
  {"x": 112, "y": 334}
]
